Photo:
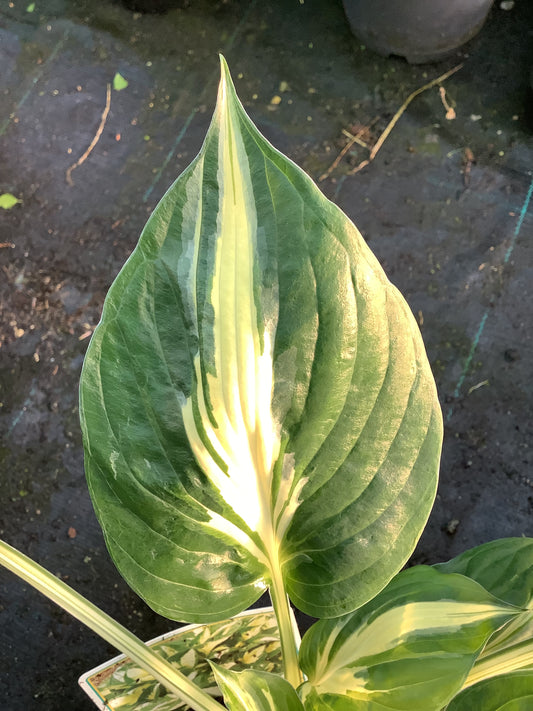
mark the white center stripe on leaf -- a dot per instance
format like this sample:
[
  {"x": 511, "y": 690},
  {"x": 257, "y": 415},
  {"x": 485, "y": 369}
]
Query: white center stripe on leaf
[
  {"x": 245, "y": 437},
  {"x": 392, "y": 629}
]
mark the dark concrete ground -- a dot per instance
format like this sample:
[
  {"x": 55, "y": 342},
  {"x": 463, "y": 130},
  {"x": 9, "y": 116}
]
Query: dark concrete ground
[{"x": 445, "y": 205}]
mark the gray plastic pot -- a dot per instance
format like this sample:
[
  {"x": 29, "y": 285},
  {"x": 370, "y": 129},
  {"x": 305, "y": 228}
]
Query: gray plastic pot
[{"x": 419, "y": 30}]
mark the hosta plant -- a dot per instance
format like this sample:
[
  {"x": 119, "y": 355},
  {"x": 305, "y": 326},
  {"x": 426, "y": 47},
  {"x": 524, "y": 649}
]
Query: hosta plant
[{"x": 258, "y": 413}]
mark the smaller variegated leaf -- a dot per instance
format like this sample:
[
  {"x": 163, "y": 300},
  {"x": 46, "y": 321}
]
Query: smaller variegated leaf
[
  {"x": 256, "y": 691},
  {"x": 509, "y": 649},
  {"x": 509, "y": 692},
  {"x": 505, "y": 568},
  {"x": 411, "y": 647}
]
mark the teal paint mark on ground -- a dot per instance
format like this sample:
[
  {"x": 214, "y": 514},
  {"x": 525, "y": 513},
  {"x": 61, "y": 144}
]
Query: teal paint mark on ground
[
  {"x": 27, "y": 402},
  {"x": 473, "y": 348},
  {"x": 481, "y": 327},
  {"x": 519, "y": 224}
]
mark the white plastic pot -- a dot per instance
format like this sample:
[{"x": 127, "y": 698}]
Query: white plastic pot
[{"x": 248, "y": 640}]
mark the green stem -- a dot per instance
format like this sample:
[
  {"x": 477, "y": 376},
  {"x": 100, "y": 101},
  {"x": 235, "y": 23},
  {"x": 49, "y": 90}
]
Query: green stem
[
  {"x": 105, "y": 626},
  {"x": 289, "y": 650},
  {"x": 508, "y": 660}
]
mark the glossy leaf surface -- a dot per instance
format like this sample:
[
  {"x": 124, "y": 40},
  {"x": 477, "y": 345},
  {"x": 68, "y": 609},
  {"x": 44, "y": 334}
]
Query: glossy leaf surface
[
  {"x": 410, "y": 648},
  {"x": 510, "y": 692},
  {"x": 256, "y": 691},
  {"x": 257, "y": 396}
]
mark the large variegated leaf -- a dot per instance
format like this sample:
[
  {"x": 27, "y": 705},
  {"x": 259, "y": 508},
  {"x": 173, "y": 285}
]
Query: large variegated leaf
[
  {"x": 256, "y": 397},
  {"x": 409, "y": 648},
  {"x": 510, "y": 692},
  {"x": 256, "y": 691}
]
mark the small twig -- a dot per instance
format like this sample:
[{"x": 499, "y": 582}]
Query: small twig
[
  {"x": 392, "y": 123},
  {"x": 476, "y": 387},
  {"x": 381, "y": 140},
  {"x": 359, "y": 167},
  {"x": 450, "y": 111},
  {"x": 95, "y": 140},
  {"x": 352, "y": 139},
  {"x": 356, "y": 138}
]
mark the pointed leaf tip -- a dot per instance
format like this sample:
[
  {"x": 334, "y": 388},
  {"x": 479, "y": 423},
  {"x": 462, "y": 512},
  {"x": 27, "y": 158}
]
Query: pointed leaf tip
[
  {"x": 223, "y": 64},
  {"x": 226, "y": 82},
  {"x": 224, "y": 70}
]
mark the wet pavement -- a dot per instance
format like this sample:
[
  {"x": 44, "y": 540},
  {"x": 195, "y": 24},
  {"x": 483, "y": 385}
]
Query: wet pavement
[{"x": 445, "y": 205}]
